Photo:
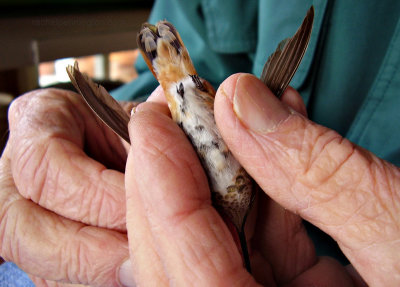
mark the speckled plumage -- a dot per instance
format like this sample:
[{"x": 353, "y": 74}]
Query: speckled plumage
[{"x": 191, "y": 101}]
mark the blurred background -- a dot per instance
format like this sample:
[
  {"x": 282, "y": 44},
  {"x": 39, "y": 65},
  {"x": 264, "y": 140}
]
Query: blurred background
[{"x": 38, "y": 39}]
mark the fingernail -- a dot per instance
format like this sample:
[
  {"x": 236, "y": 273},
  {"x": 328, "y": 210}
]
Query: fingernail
[
  {"x": 256, "y": 107},
  {"x": 126, "y": 274},
  {"x": 133, "y": 111},
  {"x": 136, "y": 109}
]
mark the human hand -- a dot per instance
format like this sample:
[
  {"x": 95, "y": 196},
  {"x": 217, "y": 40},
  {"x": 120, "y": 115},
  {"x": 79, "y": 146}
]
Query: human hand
[
  {"x": 312, "y": 171},
  {"x": 63, "y": 199},
  {"x": 308, "y": 169}
]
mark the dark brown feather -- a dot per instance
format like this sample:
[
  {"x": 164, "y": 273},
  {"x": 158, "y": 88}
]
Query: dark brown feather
[
  {"x": 101, "y": 102},
  {"x": 282, "y": 64}
]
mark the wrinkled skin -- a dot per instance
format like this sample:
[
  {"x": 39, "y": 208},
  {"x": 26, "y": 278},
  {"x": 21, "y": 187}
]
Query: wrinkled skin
[{"x": 62, "y": 211}]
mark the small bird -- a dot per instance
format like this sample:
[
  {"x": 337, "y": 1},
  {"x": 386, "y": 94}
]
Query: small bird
[{"x": 191, "y": 102}]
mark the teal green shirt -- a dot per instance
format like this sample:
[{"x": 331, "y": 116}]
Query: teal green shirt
[{"x": 349, "y": 77}]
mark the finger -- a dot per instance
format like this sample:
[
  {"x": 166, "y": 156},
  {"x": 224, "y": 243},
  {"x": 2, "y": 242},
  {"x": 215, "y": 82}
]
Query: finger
[
  {"x": 323, "y": 273},
  {"x": 49, "y": 130},
  {"x": 283, "y": 241},
  {"x": 169, "y": 211},
  {"x": 358, "y": 281},
  {"x": 344, "y": 190},
  {"x": 157, "y": 96},
  {"x": 128, "y": 107},
  {"x": 293, "y": 99},
  {"x": 49, "y": 246},
  {"x": 155, "y": 102}
]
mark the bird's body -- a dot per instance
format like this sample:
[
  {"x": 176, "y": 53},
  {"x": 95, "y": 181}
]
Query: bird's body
[
  {"x": 230, "y": 185},
  {"x": 191, "y": 102}
]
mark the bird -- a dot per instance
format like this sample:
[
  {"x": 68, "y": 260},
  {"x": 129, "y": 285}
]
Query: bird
[{"x": 191, "y": 102}]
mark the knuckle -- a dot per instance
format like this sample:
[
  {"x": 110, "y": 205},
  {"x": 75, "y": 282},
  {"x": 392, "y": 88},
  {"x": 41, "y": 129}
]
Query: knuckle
[
  {"x": 104, "y": 208},
  {"x": 83, "y": 257},
  {"x": 328, "y": 155},
  {"x": 332, "y": 170},
  {"x": 347, "y": 188},
  {"x": 16, "y": 108},
  {"x": 30, "y": 168},
  {"x": 22, "y": 107},
  {"x": 37, "y": 103},
  {"x": 10, "y": 220}
]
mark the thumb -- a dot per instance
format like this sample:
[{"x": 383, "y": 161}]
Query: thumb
[
  {"x": 175, "y": 235},
  {"x": 312, "y": 171}
]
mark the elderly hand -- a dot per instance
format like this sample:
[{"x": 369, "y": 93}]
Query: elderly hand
[
  {"x": 305, "y": 170},
  {"x": 62, "y": 200}
]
